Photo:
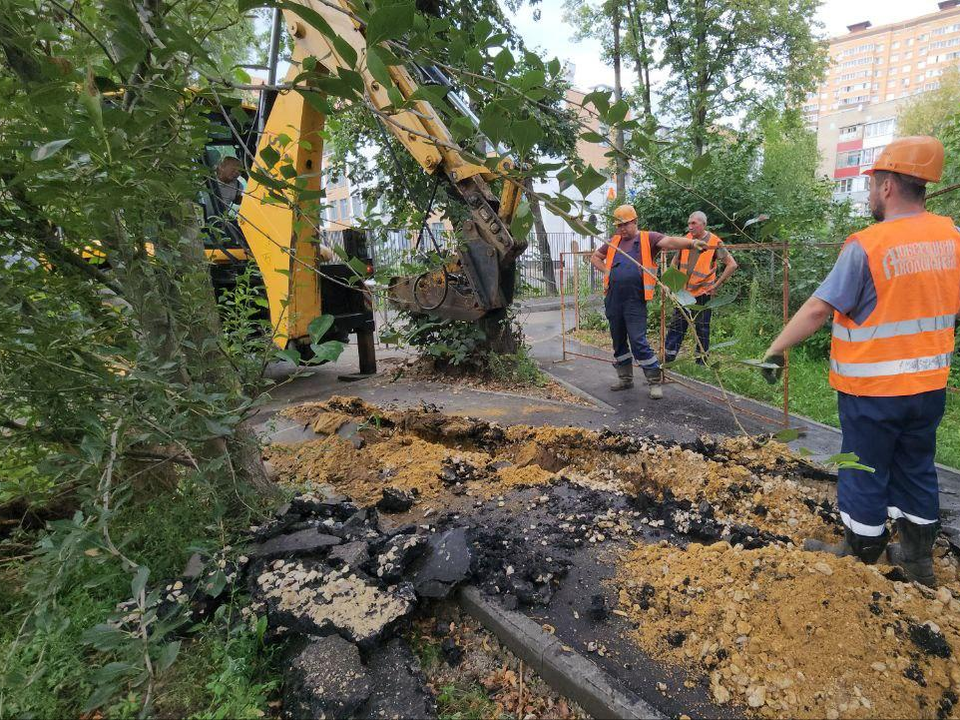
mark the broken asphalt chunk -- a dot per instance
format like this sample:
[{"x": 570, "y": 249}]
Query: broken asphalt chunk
[
  {"x": 303, "y": 542},
  {"x": 308, "y": 598},
  {"x": 395, "y": 500},
  {"x": 445, "y": 566},
  {"x": 398, "y": 686},
  {"x": 325, "y": 680},
  {"x": 353, "y": 554}
]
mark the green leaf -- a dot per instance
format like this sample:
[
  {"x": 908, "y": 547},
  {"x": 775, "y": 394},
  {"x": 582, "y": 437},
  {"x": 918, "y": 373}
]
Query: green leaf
[
  {"x": 100, "y": 696},
  {"x": 431, "y": 93},
  {"x": 318, "y": 327},
  {"x": 474, "y": 60},
  {"x": 48, "y": 149},
  {"x": 788, "y": 435},
  {"x": 804, "y": 452},
  {"x": 618, "y": 112},
  {"x": 345, "y": 50},
  {"x": 494, "y": 122},
  {"x": 589, "y": 181},
  {"x": 462, "y": 128},
  {"x": 674, "y": 279},
  {"x": 702, "y": 163},
  {"x": 328, "y": 351},
  {"x": 167, "y": 655},
  {"x": 503, "y": 63},
  {"x": 721, "y": 300},
  {"x": 139, "y": 581},
  {"x": 352, "y": 78},
  {"x": 522, "y": 221},
  {"x": 216, "y": 429},
  {"x": 684, "y": 174},
  {"x": 600, "y": 99},
  {"x": 532, "y": 79},
  {"x": 525, "y": 134},
  {"x": 855, "y": 466},
  {"x": 270, "y": 156},
  {"x": 290, "y": 355},
  {"x": 849, "y": 457},
  {"x": 377, "y": 67},
  {"x": 389, "y": 21},
  {"x": 93, "y": 104},
  {"x": 593, "y": 137},
  {"x": 554, "y": 67}
]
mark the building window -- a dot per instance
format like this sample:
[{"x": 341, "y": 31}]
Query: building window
[
  {"x": 344, "y": 208},
  {"x": 869, "y": 155},
  {"x": 895, "y": 44},
  {"x": 848, "y": 159},
  {"x": 845, "y": 185},
  {"x": 881, "y": 127},
  {"x": 332, "y": 212},
  {"x": 905, "y": 83},
  {"x": 357, "y": 206},
  {"x": 848, "y": 132}
]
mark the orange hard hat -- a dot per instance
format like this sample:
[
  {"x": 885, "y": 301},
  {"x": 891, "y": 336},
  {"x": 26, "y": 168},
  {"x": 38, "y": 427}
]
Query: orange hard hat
[
  {"x": 919, "y": 156},
  {"x": 624, "y": 214}
]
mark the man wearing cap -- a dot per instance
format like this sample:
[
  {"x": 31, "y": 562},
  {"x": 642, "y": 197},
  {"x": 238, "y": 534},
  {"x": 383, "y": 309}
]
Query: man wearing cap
[
  {"x": 894, "y": 294},
  {"x": 702, "y": 282},
  {"x": 629, "y": 277}
]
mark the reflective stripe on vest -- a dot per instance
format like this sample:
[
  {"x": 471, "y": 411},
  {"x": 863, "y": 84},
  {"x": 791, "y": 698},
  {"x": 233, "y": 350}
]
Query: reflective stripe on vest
[
  {"x": 647, "y": 265},
  {"x": 702, "y": 278},
  {"x": 894, "y": 329},
  {"x": 906, "y": 344},
  {"x": 892, "y": 367}
]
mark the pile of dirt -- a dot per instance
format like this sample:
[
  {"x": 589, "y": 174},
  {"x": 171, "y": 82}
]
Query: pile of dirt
[
  {"x": 788, "y": 633},
  {"x": 715, "y": 487},
  {"x": 425, "y": 370}
]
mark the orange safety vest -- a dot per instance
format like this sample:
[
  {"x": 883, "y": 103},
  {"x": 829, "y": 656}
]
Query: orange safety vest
[
  {"x": 905, "y": 346},
  {"x": 646, "y": 261},
  {"x": 702, "y": 277}
]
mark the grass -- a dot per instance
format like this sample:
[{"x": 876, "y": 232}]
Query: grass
[
  {"x": 222, "y": 671},
  {"x": 462, "y": 698},
  {"x": 751, "y": 332}
]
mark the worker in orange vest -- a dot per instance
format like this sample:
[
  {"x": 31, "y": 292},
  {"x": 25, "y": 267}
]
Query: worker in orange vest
[
  {"x": 703, "y": 283},
  {"x": 894, "y": 294},
  {"x": 629, "y": 270}
]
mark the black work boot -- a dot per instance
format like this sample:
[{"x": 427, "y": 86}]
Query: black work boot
[
  {"x": 655, "y": 381},
  {"x": 868, "y": 549},
  {"x": 625, "y": 375},
  {"x": 914, "y": 553}
]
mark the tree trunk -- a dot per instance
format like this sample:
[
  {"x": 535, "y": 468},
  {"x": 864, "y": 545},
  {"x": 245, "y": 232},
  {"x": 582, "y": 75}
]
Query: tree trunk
[
  {"x": 546, "y": 258},
  {"x": 641, "y": 60},
  {"x": 621, "y": 164}
]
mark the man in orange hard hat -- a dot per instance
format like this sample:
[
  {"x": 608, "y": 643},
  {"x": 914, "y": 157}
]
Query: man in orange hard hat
[
  {"x": 629, "y": 277},
  {"x": 894, "y": 294}
]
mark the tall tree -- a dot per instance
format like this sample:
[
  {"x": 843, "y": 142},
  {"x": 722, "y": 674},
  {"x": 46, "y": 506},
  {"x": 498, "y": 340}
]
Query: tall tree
[{"x": 724, "y": 59}]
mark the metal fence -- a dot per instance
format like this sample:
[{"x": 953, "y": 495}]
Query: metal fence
[{"x": 539, "y": 268}]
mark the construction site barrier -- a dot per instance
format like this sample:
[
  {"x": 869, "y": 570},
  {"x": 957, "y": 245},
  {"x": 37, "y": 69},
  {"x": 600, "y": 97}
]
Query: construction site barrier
[{"x": 581, "y": 282}]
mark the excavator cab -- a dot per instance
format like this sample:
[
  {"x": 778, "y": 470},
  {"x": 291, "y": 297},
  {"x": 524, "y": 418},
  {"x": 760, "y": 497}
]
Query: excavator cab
[{"x": 300, "y": 283}]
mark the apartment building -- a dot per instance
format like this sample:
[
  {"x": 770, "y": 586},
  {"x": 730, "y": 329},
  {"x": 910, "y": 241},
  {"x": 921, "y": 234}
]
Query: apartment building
[{"x": 873, "y": 72}]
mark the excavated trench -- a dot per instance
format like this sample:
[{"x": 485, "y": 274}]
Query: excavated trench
[{"x": 673, "y": 566}]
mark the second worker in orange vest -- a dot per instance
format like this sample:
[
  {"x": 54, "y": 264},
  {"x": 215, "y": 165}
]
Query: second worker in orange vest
[
  {"x": 629, "y": 270},
  {"x": 702, "y": 282},
  {"x": 894, "y": 295}
]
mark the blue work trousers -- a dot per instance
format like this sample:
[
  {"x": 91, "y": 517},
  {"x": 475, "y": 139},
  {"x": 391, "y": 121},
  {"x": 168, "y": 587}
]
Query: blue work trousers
[
  {"x": 897, "y": 437},
  {"x": 626, "y": 311},
  {"x": 678, "y": 328}
]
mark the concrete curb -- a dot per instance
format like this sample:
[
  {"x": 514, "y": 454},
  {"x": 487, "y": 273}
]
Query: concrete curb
[
  {"x": 567, "y": 672},
  {"x": 570, "y": 387}
]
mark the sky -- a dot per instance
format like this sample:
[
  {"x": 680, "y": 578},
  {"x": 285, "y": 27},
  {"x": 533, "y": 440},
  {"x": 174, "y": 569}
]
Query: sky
[{"x": 553, "y": 36}]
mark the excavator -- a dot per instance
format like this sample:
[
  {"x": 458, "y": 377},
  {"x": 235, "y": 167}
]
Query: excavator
[{"x": 474, "y": 283}]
